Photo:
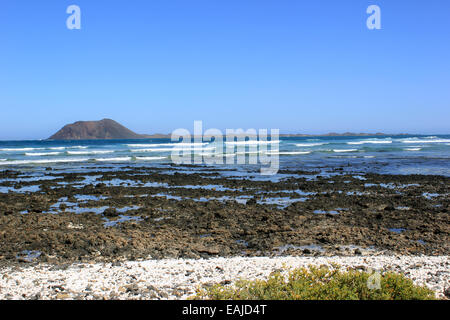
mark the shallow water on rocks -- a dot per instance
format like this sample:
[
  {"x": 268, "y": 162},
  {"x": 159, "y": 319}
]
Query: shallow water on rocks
[
  {"x": 28, "y": 255},
  {"x": 326, "y": 212},
  {"x": 121, "y": 219},
  {"x": 24, "y": 189}
]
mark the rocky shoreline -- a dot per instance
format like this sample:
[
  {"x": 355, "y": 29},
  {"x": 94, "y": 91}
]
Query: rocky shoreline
[
  {"x": 179, "y": 278},
  {"x": 108, "y": 215},
  {"x": 129, "y": 229}
]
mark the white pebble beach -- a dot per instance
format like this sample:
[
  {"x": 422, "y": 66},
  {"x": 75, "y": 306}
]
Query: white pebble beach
[{"x": 179, "y": 278}]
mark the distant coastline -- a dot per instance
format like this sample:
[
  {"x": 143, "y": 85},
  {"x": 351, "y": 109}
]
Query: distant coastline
[
  {"x": 108, "y": 129},
  {"x": 299, "y": 135}
]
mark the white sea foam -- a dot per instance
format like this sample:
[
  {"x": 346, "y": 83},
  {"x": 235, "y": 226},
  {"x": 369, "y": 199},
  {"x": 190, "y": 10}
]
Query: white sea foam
[
  {"x": 90, "y": 152},
  {"x": 152, "y": 150},
  {"x": 178, "y": 144},
  {"x": 60, "y": 160},
  {"x": 113, "y": 159},
  {"x": 57, "y": 148},
  {"x": 288, "y": 152},
  {"x": 19, "y": 149},
  {"x": 412, "y": 149},
  {"x": 251, "y": 142},
  {"x": 150, "y": 158},
  {"x": 370, "y": 141},
  {"x": 345, "y": 150},
  {"x": 187, "y": 148},
  {"x": 250, "y": 152},
  {"x": 217, "y": 155},
  {"x": 40, "y": 154},
  {"x": 310, "y": 144}
]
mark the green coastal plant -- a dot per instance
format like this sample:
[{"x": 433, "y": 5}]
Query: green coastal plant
[{"x": 319, "y": 283}]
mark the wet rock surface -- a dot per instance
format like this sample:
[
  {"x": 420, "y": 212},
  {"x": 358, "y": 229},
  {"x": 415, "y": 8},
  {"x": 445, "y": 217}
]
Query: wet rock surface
[{"x": 203, "y": 212}]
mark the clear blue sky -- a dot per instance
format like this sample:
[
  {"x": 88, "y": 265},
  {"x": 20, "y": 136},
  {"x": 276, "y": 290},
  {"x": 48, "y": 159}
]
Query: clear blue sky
[{"x": 157, "y": 65}]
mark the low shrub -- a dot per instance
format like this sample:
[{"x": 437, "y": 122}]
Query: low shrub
[{"x": 320, "y": 283}]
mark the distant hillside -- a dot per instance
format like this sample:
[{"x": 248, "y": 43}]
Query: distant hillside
[
  {"x": 103, "y": 129},
  {"x": 110, "y": 129}
]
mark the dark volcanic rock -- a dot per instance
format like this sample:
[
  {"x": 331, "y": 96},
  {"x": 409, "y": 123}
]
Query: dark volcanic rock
[
  {"x": 447, "y": 292},
  {"x": 103, "y": 129},
  {"x": 171, "y": 222}
]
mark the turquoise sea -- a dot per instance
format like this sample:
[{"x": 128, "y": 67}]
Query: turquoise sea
[{"x": 414, "y": 154}]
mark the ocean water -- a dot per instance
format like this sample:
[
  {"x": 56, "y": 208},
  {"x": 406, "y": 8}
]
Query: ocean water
[{"x": 381, "y": 154}]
